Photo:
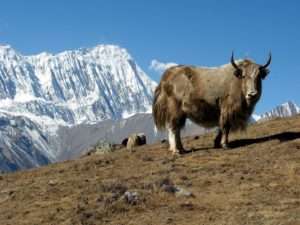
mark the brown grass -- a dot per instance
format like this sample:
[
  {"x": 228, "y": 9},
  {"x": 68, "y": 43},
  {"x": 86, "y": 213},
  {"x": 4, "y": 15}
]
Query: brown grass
[{"x": 256, "y": 182}]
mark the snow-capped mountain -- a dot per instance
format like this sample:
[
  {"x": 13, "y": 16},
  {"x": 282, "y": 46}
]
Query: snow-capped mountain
[
  {"x": 47, "y": 91},
  {"x": 285, "y": 110},
  {"x": 23, "y": 144},
  {"x": 81, "y": 86}
]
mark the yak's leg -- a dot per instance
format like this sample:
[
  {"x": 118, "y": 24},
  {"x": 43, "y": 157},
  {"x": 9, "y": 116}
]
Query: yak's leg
[
  {"x": 217, "y": 142},
  {"x": 176, "y": 122},
  {"x": 178, "y": 141},
  {"x": 224, "y": 139},
  {"x": 172, "y": 141},
  {"x": 175, "y": 141}
]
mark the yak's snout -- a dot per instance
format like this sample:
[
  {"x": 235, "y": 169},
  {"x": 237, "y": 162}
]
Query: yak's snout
[{"x": 252, "y": 96}]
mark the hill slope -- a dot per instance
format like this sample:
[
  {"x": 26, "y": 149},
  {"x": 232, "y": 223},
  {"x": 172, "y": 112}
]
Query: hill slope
[{"x": 256, "y": 182}]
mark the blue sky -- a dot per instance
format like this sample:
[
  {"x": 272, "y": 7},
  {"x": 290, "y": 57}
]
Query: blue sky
[{"x": 185, "y": 32}]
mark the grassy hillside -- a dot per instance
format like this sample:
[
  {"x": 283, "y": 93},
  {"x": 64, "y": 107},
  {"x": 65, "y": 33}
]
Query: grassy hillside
[{"x": 255, "y": 182}]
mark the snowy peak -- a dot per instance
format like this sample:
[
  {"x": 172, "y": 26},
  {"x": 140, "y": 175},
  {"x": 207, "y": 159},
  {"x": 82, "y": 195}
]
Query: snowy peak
[
  {"x": 88, "y": 85},
  {"x": 115, "y": 52},
  {"x": 285, "y": 110},
  {"x": 8, "y": 53}
]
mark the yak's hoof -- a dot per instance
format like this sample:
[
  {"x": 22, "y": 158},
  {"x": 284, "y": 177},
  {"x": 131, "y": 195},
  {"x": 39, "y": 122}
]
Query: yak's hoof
[
  {"x": 225, "y": 146},
  {"x": 178, "y": 151},
  {"x": 183, "y": 151}
]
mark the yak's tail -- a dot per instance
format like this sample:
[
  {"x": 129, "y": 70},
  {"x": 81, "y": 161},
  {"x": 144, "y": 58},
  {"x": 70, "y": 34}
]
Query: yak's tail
[{"x": 159, "y": 107}]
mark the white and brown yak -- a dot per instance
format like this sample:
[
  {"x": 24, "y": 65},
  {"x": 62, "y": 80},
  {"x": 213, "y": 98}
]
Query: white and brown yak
[{"x": 222, "y": 97}]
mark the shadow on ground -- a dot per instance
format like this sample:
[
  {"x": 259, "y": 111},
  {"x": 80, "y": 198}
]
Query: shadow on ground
[{"x": 282, "y": 137}]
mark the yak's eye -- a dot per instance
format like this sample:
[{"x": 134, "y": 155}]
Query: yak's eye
[{"x": 238, "y": 73}]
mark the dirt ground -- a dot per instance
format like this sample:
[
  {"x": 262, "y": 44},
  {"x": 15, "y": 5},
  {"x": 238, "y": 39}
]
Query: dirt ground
[{"x": 256, "y": 182}]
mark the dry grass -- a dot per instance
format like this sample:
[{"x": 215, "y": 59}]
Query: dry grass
[{"x": 256, "y": 182}]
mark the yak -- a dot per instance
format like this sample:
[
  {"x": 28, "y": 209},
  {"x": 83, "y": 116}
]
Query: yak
[{"x": 222, "y": 97}]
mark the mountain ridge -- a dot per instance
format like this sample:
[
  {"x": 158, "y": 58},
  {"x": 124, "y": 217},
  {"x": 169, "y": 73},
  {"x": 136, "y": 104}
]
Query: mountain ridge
[
  {"x": 83, "y": 86},
  {"x": 286, "y": 109}
]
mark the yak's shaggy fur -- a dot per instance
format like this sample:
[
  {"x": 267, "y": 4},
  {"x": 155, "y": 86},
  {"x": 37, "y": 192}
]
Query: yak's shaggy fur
[{"x": 224, "y": 97}]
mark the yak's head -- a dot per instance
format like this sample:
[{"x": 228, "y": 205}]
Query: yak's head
[{"x": 251, "y": 75}]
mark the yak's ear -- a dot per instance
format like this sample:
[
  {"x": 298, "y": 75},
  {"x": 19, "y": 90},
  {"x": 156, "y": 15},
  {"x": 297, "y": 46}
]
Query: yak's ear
[
  {"x": 264, "y": 72},
  {"x": 238, "y": 73}
]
